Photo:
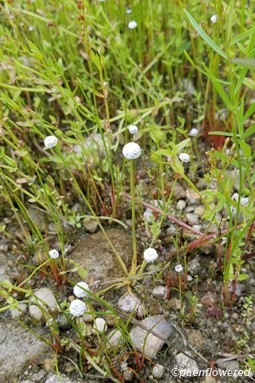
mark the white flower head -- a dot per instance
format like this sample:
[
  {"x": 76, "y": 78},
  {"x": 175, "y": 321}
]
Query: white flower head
[
  {"x": 80, "y": 289},
  {"x": 133, "y": 129},
  {"x": 50, "y": 141},
  {"x": 193, "y": 132},
  {"x": 131, "y": 151},
  {"x": 184, "y": 157},
  {"x": 77, "y": 308},
  {"x": 128, "y": 11},
  {"x": 132, "y": 24},
  {"x": 178, "y": 268},
  {"x": 150, "y": 255},
  {"x": 54, "y": 253},
  {"x": 214, "y": 18}
]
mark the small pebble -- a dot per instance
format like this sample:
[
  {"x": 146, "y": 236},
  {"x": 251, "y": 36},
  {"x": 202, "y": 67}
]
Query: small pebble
[
  {"x": 35, "y": 313},
  {"x": 192, "y": 197},
  {"x": 158, "y": 371},
  {"x": 159, "y": 291},
  {"x": 199, "y": 210},
  {"x": 192, "y": 219},
  {"x": 129, "y": 303},
  {"x": 181, "y": 204},
  {"x": 100, "y": 325}
]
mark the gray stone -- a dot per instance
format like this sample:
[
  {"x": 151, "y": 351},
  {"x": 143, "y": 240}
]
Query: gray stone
[
  {"x": 96, "y": 256},
  {"x": 18, "y": 311},
  {"x": 18, "y": 348},
  {"x": 187, "y": 366},
  {"x": 192, "y": 197},
  {"x": 199, "y": 210},
  {"x": 181, "y": 204},
  {"x": 61, "y": 379},
  {"x": 45, "y": 297},
  {"x": 39, "y": 218},
  {"x": 159, "y": 291},
  {"x": 129, "y": 302},
  {"x": 179, "y": 192},
  {"x": 192, "y": 219},
  {"x": 146, "y": 342},
  {"x": 115, "y": 339},
  {"x": 90, "y": 224}
]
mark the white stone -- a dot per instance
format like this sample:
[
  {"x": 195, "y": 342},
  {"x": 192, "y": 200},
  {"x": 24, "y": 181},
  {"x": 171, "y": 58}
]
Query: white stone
[
  {"x": 100, "y": 325},
  {"x": 159, "y": 291},
  {"x": 158, "y": 371},
  {"x": 35, "y": 313}
]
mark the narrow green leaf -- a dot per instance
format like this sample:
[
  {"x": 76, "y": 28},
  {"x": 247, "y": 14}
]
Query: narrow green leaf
[
  {"x": 249, "y": 112},
  {"x": 245, "y": 62},
  {"x": 249, "y": 131},
  {"x": 204, "y": 36}
]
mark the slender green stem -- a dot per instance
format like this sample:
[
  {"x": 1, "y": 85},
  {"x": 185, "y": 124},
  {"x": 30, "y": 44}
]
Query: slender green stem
[{"x": 132, "y": 186}]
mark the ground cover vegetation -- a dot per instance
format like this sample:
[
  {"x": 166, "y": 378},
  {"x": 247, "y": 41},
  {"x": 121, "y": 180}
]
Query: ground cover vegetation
[{"x": 110, "y": 111}]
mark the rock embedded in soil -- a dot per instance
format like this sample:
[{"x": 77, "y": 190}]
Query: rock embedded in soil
[
  {"x": 129, "y": 303},
  {"x": 147, "y": 343},
  {"x": 192, "y": 219},
  {"x": 192, "y": 197},
  {"x": 158, "y": 371},
  {"x": 46, "y": 298},
  {"x": 96, "y": 256},
  {"x": 187, "y": 366},
  {"x": 18, "y": 349},
  {"x": 159, "y": 291}
]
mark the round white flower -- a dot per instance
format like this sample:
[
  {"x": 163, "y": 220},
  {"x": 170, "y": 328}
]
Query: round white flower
[
  {"x": 131, "y": 151},
  {"x": 50, "y": 141},
  {"x": 133, "y": 129},
  {"x": 150, "y": 255},
  {"x": 193, "y": 132},
  {"x": 77, "y": 308},
  {"x": 132, "y": 24},
  {"x": 53, "y": 253},
  {"x": 214, "y": 19},
  {"x": 178, "y": 268},
  {"x": 128, "y": 11},
  {"x": 80, "y": 289},
  {"x": 184, "y": 157}
]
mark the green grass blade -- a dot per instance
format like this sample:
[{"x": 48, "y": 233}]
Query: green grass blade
[{"x": 204, "y": 36}]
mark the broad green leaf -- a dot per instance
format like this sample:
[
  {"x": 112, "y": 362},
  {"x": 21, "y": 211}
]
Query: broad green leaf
[
  {"x": 242, "y": 277},
  {"x": 178, "y": 148},
  {"x": 245, "y": 148},
  {"x": 204, "y": 36}
]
